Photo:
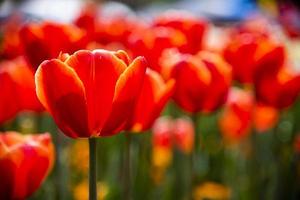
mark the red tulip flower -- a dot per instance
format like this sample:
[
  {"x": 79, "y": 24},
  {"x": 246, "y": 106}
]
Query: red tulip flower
[
  {"x": 202, "y": 81},
  {"x": 249, "y": 53},
  {"x": 163, "y": 132},
  {"x": 191, "y": 26},
  {"x": 17, "y": 89},
  {"x": 184, "y": 133},
  {"x": 91, "y": 93},
  {"x": 235, "y": 121},
  {"x": 152, "y": 42},
  {"x": 43, "y": 41},
  {"x": 25, "y": 162},
  {"x": 278, "y": 90},
  {"x": 155, "y": 93}
]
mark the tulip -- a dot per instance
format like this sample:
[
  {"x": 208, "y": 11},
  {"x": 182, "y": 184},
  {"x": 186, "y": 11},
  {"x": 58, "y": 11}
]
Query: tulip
[
  {"x": 285, "y": 88},
  {"x": 249, "y": 54},
  {"x": 202, "y": 82},
  {"x": 25, "y": 162},
  {"x": 152, "y": 42},
  {"x": 184, "y": 133},
  {"x": 10, "y": 40},
  {"x": 192, "y": 27},
  {"x": 89, "y": 94},
  {"x": 235, "y": 120},
  {"x": 18, "y": 89},
  {"x": 264, "y": 117},
  {"x": 42, "y": 41},
  {"x": 162, "y": 141}
]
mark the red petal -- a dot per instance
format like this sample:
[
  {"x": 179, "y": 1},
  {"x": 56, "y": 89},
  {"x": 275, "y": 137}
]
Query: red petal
[
  {"x": 127, "y": 91},
  {"x": 62, "y": 93}
]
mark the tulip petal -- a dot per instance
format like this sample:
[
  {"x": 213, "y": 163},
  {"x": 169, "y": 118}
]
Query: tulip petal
[
  {"x": 66, "y": 104},
  {"x": 127, "y": 91}
]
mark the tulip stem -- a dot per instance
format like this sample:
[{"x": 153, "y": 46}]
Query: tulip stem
[
  {"x": 127, "y": 181},
  {"x": 93, "y": 166}
]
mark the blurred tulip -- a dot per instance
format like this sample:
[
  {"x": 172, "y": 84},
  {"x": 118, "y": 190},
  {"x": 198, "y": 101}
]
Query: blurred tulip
[
  {"x": 264, "y": 117},
  {"x": 202, "y": 81},
  {"x": 235, "y": 120},
  {"x": 43, "y": 41},
  {"x": 10, "y": 40},
  {"x": 81, "y": 191},
  {"x": 280, "y": 90},
  {"x": 163, "y": 132},
  {"x": 91, "y": 93},
  {"x": 184, "y": 133},
  {"x": 162, "y": 152},
  {"x": 212, "y": 191},
  {"x": 106, "y": 29},
  {"x": 249, "y": 54},
  {"x": 152, "y": 42},
  {"x": 192, "y": 27},
  {"x": 17, "y": 89},
  {"x": 25, "y": 161},
  {"x": 154, "y": 96}
]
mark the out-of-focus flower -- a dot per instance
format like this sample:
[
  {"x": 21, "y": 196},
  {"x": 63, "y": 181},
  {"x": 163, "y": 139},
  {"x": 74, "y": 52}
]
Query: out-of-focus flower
[
  {"x": 191, "y": 26},
  {"x": 154, "y": 95},
  {"x": 17, "y": 89},
  {"x": 153, "y": 41},
  {"x": 249, "y": 54},
  {"x": 162, "y": 153},
  {"x": 264, "y": 117},
  {"x": 279, "y": 90},
  {"x": 235, "y": 120},
  {"x": 25, "y": 162},
  {"x": 80, "y": 158},
  {"x": 289, "y": 17},
  {"x": 212, "y": 191},
  {"x": 106, "y": 29},
  {"x": 202, "y": 81},
  {"x": 91, "y": 93},
  {"x": 184, "y": 134},
  {"x": 81, "y": 191},
  {"x": 10, "y": 46},
  {"x": 45, "y": 40}
]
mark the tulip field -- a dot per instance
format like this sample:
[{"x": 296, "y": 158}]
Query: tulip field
[{"x": 167, "y": 105}]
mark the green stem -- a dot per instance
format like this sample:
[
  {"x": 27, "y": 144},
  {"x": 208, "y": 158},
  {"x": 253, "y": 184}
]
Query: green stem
[
  {"x": 93, "y": 165},
  {"x": 127, "y": 180}
]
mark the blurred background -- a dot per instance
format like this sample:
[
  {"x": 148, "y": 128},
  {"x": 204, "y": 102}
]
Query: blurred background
[{"x": 245, "y": 150}]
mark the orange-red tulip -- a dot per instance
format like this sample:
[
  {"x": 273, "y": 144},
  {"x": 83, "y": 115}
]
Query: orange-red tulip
[
  {"x": 191, "y": 26},
  {"x": 264, "y": 117},
  {"x": 17, "y": 89},
  {"x": 202, "y": 81},
  {"x": 25, "y": 161},
  {"x": 153, "y": 41},
  {"x": 91, "y": 93},
  {"x": 249, "y": 53},
  {"x": 43, "y": 41},
  {"x": 154, "y": 95},
  {"x": 162, "y": 130},
  {"x": 10, "y": 40},
  {"x": 278, "y": 90},
  {"x": 184, "y": 133},
  {"x": 235, "y": 121},
  {"x": 168, "y": 132}
]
